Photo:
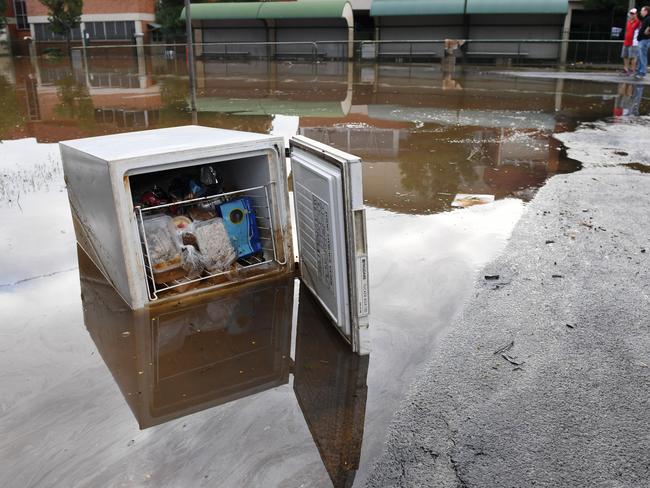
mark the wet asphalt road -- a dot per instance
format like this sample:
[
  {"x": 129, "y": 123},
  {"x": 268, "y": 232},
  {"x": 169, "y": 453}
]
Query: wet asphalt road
[{"x": 544, "y": 379}]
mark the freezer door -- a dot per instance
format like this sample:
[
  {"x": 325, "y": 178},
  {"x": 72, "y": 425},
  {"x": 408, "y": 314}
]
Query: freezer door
[{"x": 331, "y": 232}]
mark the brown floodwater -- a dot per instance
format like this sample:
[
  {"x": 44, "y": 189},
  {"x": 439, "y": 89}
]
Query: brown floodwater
[{"x": 254, "y": 388}]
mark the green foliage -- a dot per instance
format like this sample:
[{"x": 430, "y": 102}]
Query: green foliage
[
  {"x": 52, "y": 53},
  {"x": 168, "y": 14},
  {"x": 74, "y": 102},
  {"x": 616, "y": 5},
  {"x": 63, "y": 15},
  {"x": 10, "y": 112},
  {"x": 3, "y": 12}
]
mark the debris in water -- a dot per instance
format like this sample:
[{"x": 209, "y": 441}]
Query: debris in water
[
  {"x": 463, "y": 200},
  {"x": 511, "y": 360},
  {"x": 643, "y": 168},
  {"x": 550, "y": 242},
  {"x": 505, "y": 348},
  {"x": 570, "y": 326},
  {"x": 491, "y": 277},
  {"x": 557, "y": 276}
]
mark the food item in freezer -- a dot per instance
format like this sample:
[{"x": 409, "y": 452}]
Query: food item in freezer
[
  {"x": 192, "y": 262},
  {"x": 202, "y": 212},
  {"x": 241, "y": 224},
  {"x": 163, "y": 245},
  {"x": 189, "y": 239},
  {"x": 211, "y": 180},
  {"x": 214, "y": 245},
  {"x": 196, "y": 189},
  {"x": 185, "y": 188},
  {"x": 154, "y": 197},
  {"x": 182, "y": 223},
  {"x": 163, "y": 242}
]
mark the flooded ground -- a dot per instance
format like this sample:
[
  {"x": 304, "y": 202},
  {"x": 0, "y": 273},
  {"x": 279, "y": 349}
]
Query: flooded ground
[{"x": 254, "y": 389}]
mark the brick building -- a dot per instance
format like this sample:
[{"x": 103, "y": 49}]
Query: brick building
[{"x": 104, "y": 22}]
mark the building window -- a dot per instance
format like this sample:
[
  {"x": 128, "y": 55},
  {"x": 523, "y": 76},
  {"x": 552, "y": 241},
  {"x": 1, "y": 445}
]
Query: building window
[
  {"x": 21, "y": 14},
  {"x": 44, "y": 32},
  {"x": 113, "y": 30},
  {"x": 127, "y": 118},
  {"x": 114, "y": 80}
]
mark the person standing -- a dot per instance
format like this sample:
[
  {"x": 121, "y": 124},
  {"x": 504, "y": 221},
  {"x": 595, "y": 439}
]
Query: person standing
[
  {"x": 644, "y": 43},
  {"x": 630, "y": 51}
]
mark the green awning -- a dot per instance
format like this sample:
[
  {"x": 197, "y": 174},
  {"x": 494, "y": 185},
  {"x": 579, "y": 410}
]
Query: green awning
[
  {"x": 297, "y": 9},
  {"x": 446, "y": 7},
  {"x": 416, "y": 7},
  {"x": 303, "y": 9},
  {"x": 517, "y": 6}
]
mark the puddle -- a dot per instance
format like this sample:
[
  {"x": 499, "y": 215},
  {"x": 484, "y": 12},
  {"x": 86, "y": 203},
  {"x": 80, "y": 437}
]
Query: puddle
[
  {"x": 255, "y": 389},
  {"x": 171, "y": 363},
  {"x": 247, "y": 377}
]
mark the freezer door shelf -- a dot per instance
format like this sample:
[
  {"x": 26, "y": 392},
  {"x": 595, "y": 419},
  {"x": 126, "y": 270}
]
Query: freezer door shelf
[{"x": 248, "y": 266}]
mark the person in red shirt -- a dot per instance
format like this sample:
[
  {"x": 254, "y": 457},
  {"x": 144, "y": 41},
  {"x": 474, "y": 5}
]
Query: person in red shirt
[{"x": 630, "y": 51}]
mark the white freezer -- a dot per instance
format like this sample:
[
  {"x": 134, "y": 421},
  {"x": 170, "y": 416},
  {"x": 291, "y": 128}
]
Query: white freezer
[{"x": 107, "y": 175}]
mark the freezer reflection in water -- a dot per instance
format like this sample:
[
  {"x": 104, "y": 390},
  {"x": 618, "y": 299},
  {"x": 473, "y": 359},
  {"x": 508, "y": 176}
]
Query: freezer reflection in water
[{"x": 174, "y": 361}]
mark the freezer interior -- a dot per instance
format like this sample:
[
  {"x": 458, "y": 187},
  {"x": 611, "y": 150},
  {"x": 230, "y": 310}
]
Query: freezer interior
[{"x": 208, "y": 224}]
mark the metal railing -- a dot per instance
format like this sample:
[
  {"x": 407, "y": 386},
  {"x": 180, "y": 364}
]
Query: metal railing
[{"x": 518, "y": 51}]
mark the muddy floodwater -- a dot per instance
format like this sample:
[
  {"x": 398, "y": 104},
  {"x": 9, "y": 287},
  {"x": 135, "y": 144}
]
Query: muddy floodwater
[{"x": 254, "y": 388}]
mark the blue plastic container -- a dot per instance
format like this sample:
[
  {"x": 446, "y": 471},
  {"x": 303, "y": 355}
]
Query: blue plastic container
[{"x": 241, "y": 224}]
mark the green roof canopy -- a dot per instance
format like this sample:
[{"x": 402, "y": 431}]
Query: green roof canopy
[
  {"x": 297, "y": 9},
  {"x": 416, "y": 7},
  {"x": 517, "y": 6},
  {"x": 303, "y": 9},
  {"x": 446, "y": 7}
]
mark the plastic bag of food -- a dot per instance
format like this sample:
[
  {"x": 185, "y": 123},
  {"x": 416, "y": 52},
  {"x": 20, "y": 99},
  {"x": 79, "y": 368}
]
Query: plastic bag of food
[
  {"x": 163, "y": 243},
  {"x": 192, "y": 262},
  {"x": 214, "y": 245}
]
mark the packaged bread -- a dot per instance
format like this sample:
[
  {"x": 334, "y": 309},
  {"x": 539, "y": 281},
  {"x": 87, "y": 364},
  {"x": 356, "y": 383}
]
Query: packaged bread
[{"x": 164, "y": 246}]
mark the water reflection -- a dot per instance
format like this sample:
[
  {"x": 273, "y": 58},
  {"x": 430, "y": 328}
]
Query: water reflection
[
  {"x": 628, "y": 99},
  {"x": 424, "y": 135},
  {"x": 178, "y": 360}
]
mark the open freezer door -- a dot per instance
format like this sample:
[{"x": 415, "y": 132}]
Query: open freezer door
[{"x": 331, "y": 231}]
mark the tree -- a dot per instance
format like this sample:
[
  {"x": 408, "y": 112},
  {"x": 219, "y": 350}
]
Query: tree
[
  {"x": 74, "y": 102},
  {"x": 64, "y": 16},
  {"x": 11, "y": 117},
  {"x": 3, "y": 13},
  {"x": 168, "y": 15}
]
